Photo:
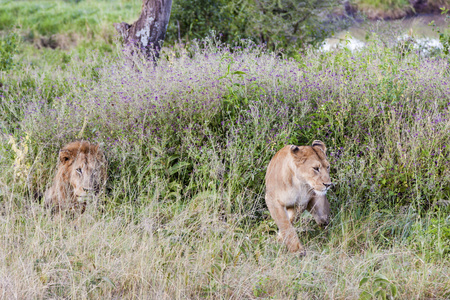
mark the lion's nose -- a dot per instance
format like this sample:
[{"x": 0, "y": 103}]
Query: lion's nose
[{"x": 327, "y": 185}]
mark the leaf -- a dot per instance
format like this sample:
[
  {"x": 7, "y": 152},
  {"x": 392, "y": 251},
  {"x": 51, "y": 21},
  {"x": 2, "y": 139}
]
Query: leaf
[
  {"x": 365, "y": 296},
  {"x": 108, "y": 281},
  {"x": 239, "y": 73},
  {"x": 381, "y": 278},
  {"x": 364, "y": 280},
  {"x": 382, "y": 294},
  {"x": 177, "y": 167},
  {"x": 393, "y": 290}
]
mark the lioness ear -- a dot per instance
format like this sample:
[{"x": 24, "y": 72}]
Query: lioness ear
[
  {"x": 295, "y": 149},
  {"x": 65, "y": 155},
  {"x": 321, "y": 145}
]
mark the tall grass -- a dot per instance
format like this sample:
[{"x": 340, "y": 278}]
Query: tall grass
[
  {"x": 384, "y": 116},
  {"x": 188, "y": 141},
  {"x": 197, "y": 255}
]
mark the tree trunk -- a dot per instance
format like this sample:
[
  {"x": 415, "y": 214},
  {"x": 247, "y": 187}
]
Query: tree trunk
[{"x": 149, "y": 30}]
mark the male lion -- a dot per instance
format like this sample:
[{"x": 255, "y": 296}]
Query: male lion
[
  {"x": 81, "y": 171},
  {"x": 298, "y": 178}
]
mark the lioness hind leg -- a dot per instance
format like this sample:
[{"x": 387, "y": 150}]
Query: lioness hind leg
[{"x": 287, "y": 232}]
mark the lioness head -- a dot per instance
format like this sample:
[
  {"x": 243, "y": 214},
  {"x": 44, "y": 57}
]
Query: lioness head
[
  {"x": 81, "y": 172},
  {"x": 313, "y": 169},
  {"x": 312, "y": 166}
]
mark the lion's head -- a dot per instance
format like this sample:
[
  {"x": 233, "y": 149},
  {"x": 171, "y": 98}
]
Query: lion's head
[
  {"x": 312, "y": 166},
  {"x": 81, "y": 172}
]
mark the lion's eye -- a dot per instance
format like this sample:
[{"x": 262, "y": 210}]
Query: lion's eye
[
  {"x": 79, "y": 171},
  {"x": 316, "y": 169}
]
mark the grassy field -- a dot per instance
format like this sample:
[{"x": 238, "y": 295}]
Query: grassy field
[
  {"x": 65, "y": 24},
  {"x": 188, "y": 142}
]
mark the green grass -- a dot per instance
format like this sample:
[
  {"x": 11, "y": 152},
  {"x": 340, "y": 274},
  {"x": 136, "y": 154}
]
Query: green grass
[
  {"x": 386, "y": 4},
  {"x": 65, "y": 24}
]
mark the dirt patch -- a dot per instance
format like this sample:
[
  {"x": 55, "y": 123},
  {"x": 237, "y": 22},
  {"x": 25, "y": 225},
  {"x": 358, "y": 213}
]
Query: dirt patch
[
  {"x": 60, "y": 41},
  {"x": 428, "y": 6}
]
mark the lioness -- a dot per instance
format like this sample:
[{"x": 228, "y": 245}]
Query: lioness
[
  {"x": 81, "y": 171},
  {"x": 298, "y": 178}
]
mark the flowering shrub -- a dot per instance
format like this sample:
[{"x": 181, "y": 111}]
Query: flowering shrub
[{"x": 210, "y": 118}]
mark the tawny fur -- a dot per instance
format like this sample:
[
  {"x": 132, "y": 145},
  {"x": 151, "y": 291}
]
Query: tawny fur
[
  {"x": 81, "y": 173},
  {"x": 298, "y": 178}
]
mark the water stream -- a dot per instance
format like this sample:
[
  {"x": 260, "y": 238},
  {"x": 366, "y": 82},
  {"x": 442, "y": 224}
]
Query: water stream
[{"x": 395, "y": 30}]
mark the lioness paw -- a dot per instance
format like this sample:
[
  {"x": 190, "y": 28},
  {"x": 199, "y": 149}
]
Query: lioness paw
[{"x": 295, "y": 246}]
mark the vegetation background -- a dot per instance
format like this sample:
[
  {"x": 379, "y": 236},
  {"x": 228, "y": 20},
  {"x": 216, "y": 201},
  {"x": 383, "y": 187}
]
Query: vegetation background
[{"x": 188, "y": 142}]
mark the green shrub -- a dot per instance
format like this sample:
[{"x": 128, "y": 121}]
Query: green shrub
[
  {"x": 8, "y": 48},
  {"x": 211, "y": 117}
]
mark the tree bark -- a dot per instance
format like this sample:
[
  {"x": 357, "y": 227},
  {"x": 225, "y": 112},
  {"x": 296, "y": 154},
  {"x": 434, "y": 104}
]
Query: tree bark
[{"x": 149, "y": 30}]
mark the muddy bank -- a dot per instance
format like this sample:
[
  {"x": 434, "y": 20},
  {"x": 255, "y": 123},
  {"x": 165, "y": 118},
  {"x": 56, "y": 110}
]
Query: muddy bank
[{"x": 395, "y": 11}]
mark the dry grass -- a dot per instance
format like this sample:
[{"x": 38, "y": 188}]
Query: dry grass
[{"x": 126, "y": 255}]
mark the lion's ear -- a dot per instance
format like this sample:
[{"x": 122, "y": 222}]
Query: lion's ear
[
  {"x": 299, "y": 153},
  {"x": 295, "y": 149},
  {"x": 65, "y": 155},
  {"x": 100, "y": 153},
  {"x": 321, "y": 146}
]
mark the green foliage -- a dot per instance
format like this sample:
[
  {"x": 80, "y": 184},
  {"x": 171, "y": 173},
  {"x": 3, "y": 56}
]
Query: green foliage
[
  {"x": 288, "y": 23},
  {"x": 195, "y": 19},
  {"x": 380, "y": 287},
  {"x": 8, "y": 48},
  {"x": 432, "y": 237},
  {"x": 279, "y": 24},
  {"x": 443, "y": 34},
  {"x": 385, "y": 4},
  {"x": 444, "y": 37}
]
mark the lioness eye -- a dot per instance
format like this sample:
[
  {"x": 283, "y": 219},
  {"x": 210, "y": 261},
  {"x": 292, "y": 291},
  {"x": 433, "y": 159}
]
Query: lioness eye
[
  {"x": 79, "y": 171},
  {"x": 316, "y": 169}
]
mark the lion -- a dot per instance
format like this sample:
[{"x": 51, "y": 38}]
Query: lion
[
  {"x": 81, "y": 172},
  {"x": 297, "y": 179}
]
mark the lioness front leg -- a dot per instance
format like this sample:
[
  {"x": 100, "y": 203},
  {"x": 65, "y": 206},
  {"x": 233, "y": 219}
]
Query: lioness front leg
[
  {"x": 292, "y": 213},
  {"x": 287, "y": 232}
]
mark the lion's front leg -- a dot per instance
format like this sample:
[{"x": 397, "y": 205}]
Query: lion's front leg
[
  {"x": 282, "y": 217},
  {"x": 292, "y": 213}
]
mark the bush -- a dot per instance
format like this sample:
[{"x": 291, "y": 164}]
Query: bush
[
  {"x": 8, "y": 48},
  {"x": 283, "y": 24},
  {"x": 211, "y": 117}
]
